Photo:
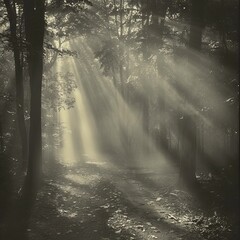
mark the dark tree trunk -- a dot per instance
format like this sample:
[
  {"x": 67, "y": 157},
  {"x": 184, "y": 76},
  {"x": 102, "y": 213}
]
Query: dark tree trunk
[
  {"x": 121, "y": 74},
  {"x": 15, "y": 41},
  {"x": 146, "y": 54},
  {"x": 1, "y": 136},
  {"x": 197, "y": 24},
  {"x": 34, "y": 28},
  {"x": 159, "y": 14},
  {"x": 122, "y": 52},
  {"x": 20, "y": 108},
  {"x": 146, "y": 115},
  {"x": 202, "y": 137},
  {"x": 188, "y": 130}
]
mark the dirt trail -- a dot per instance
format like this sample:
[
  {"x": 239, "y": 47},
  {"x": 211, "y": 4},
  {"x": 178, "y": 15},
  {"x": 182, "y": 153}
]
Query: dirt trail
[{"x": 92, "y": 202}]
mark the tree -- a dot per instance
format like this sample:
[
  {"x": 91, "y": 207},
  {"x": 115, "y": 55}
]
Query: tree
[
  {"x": 34, "y": 13},
  {"x": 188, "y": 126},
  {"x": 16, "y": 44}
]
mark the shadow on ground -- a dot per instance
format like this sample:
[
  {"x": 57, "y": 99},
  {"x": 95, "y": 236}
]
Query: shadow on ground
[{"x": 94, "y": 203}]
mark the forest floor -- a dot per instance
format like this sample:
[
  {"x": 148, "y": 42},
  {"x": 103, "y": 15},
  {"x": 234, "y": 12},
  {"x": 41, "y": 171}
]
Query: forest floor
[{"x": 96, "y": 202}]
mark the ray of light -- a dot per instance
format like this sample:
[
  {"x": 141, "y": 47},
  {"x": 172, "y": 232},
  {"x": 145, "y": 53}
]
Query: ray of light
[
  {"x": 118, "y": 125},
  {"x": 104, "y": 120},
  {"x": 78, "y": 137}
]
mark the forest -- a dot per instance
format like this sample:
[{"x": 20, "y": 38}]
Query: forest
[{"x": 119, "y": 119}]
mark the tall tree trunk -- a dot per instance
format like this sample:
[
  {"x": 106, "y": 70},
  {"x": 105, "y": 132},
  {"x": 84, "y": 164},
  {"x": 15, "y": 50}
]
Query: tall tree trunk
[
  {"x": 223, "y": 29},
  {"x": 34, "y": 27},
  {"x": 146, "y": 115},
  {"x": 5, "y": 181},
  {"x": 146, "y": 54},
  {"x": 20, "y": 108},
  {"x": 122, "y": 50},
  {"x": 159, "y": 21},
  {"x": 197, "y": 24},
  {"x": 188, "y": 129},
  {"x": 15, "y": 41},
  {"x": 1, "y": 136}
]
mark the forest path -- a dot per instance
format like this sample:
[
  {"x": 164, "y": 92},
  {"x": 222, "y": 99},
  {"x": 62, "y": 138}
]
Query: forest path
[{"x": 96, "y": 202}]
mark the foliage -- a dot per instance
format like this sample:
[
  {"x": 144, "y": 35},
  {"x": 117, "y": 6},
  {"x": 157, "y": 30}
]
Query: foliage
[{"x": 58, "y": 91}]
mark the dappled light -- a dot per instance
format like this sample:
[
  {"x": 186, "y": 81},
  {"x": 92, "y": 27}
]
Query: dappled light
[
  {"x": 101, "y": 120},
  {"x": 119, "y": 120}
]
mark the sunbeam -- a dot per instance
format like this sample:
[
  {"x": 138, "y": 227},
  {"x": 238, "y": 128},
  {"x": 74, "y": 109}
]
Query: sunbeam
[{"x": 119, "y": 119}]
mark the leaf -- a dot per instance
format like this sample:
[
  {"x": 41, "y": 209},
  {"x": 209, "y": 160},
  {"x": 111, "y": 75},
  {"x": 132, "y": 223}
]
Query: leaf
[
  {"x": 172, "y": 217},
  {"x": 105, "y": 206},
  {"x": 153, "y": 236},
  {"x": 140, "y": 226}
]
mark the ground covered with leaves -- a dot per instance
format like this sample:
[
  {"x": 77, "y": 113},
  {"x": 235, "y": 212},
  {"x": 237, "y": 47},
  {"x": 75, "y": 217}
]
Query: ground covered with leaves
[{"x": 96, "y": 202}]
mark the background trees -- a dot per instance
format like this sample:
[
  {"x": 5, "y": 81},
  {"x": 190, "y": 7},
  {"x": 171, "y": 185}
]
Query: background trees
[
  {"x": 172, "y": 63},
  {"x": 173, "y": 42}
]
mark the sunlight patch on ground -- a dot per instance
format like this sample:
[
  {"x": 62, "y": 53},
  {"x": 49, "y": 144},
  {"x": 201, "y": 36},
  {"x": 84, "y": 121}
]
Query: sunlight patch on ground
[
  {"x": 67, "y": 213},
  {"x": 83, "y": 180},
  {"x": 139, "y": 229},
  {"x": 71, "y": 190}
]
